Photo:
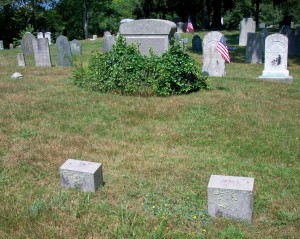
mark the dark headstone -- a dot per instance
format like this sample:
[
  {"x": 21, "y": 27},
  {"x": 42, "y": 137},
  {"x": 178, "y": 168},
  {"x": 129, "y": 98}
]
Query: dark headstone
[
  {"x": 196, "y": 43},
  {"x": 63, "y": 51}
]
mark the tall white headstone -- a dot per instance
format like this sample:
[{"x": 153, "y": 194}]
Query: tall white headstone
[
  {"x": 213, "y": 63},
  {"x": 276, "y": 55},
  {"x": 40, "y": 35},
  {"x": 246, "y": 25},
  {"x": 48, "y": 36}
]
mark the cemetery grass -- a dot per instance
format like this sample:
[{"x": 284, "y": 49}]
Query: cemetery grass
[{"x": 157, "y": 154}]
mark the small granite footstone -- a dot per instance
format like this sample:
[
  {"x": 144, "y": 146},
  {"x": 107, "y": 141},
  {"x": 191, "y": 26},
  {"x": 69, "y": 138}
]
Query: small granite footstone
[
  {"x": 230, "y": 197},
  {"x": 83, "y": 175}
]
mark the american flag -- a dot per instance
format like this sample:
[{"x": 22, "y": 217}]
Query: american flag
[
  {"x": 222, "y": 48},
  {"x": 190, "y": 27}
]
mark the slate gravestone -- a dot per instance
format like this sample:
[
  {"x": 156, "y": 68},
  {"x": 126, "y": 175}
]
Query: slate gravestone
[
  {"x": 294, "y": 45},
  {"x": 107, "y": 33},
  {"x": 149, "y": 33},
  {"x": 108, "y": 43},
  {"x": 276, "y": 55},
  {"x": 180, "y": 26},
  {"x": 230, "y": 197},
  {"x": 213, "y": 62},
  {"x": 265, "y": 32},
  {"x": 41, "y": 52},
  {"x": 21, "y": 59},
  {"x": 254, "y": 48},
  {"x": 196, "y": 43},
  {"x": 83, "y": 175},
  {"x": 63, "y": 51},
  {"x": 48, "y": 36},
  {"x": 40, "y": 35},
  {"x": 75, "y": 47},
  {"x": 246, "y": 25},
  {"x": 297, "y": 31},
  {"x": 1, "y": 45},
  {"x": 26, "y": 44},
  {"x": 285, "y": 30}
]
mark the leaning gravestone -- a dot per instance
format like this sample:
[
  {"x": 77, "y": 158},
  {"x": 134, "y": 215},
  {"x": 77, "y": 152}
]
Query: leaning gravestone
[
  {"x": 21, "y": 59},
  {"x": 41, "y": 52},
  {"x": 40, "y": 35},
  {"x": 213, "y": 62},
  {"x": 75, "y": 47},
  {"x": 230, "y": 197},
  {"x": 1, "y": 45},
  {"x": 276, "y": 55},
  {"x": 246, "y": 25},
  {"x": 196, "y": 43},
  {"x": 83, "y": 175},
  {"x": 149, "y": 33},
  {"x": 254, "y": 48},
  {"x": 108, "y": 43},
  {"x": 63, "y": 51}
]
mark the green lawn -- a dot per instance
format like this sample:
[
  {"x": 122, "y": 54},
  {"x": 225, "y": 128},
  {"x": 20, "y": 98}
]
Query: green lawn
[{"x": 157, "y": 154}]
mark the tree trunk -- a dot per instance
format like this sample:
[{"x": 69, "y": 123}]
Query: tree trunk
[
  {"x": 85, "y": 19},
  {"x": 257, "y": 12},
  {"x": 216, "y": 19},
  {"x": 204, "y": 17}
]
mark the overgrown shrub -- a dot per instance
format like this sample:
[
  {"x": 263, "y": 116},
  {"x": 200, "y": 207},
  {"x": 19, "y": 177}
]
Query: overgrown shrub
[{"x": 125, "y": 71}]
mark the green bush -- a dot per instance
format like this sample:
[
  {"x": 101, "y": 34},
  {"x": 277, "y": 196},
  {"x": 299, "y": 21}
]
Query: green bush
[{"x": 125, "y": 71}]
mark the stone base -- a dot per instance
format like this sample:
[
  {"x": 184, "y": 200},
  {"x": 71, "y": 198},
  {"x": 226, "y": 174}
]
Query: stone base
[
  {"x": 287, "y": 79},
  {"x": 83, "y": 175}
]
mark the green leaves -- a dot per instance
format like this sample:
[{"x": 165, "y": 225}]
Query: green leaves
[{"x": 125, "y": 71}]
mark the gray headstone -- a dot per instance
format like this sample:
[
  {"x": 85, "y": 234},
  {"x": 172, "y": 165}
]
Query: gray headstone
[
  {"x": 75, "y": 47},
  {"x": 11, "y": 46},
  {"x": 83, "y": 175},
  {"x": 94, "y": 37},
  {"x": 196, "y": 43},
  {"x": 40, "y": 35},
  {"x": 254, "y": 48},
  {"x": 213, "y": 62},
  {"x": 230, "y": 197},
  {"x": 276, "y": 55},
  {"x": 149, "y": 33},
  {"x": 107, "y": 33},
  {"x": 41, "y": 52},
  {"x": 177, "y": 36},
  {"x": 48, "y": 36},
  {"x": 294, "y": 45},
  {"x": 26, "y": 44},
  {"x": 246, "y": 25},
  {"x": 63, "y": 51},
  {"x": 262, "y": 25},
  {"x": 297, "y": 31},
  {"x": 108, "y": 43},
  {"x": 285, "y": 30},
  {"x": 21, "y": 59},
  {"x": 1, "y": 45},
  {"x": 180, "y": 26}
]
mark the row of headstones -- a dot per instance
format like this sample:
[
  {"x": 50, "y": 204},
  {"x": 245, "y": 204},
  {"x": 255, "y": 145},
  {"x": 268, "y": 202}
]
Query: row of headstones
[
  {"x": 39, "y": 49},
  {"x": 227, "y": 196}
]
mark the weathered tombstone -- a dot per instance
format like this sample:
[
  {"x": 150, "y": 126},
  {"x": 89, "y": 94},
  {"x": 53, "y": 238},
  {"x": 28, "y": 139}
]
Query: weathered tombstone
[
  {"x": 75, "y": 47},
  {"x": 1, "y": 45},
  {"x": 265, "y": 32},
  {"x": 276, "y": 55},
  {"x": 294, "y": 45},
  {"x": 94, "y": 37},
  {"x": 48, "y": 36},
  {"x": 108, "y": 43},
  {"x": 254, "y": 48},
  {"x": 297, "y": 31},
  {"x": 262, "y": 25},
  {"x": 177, "y": 36},
  {"x": 246, "y": 25},
  {"x": 21, "y": 59},
  {"x": 40, "y": 35},
  {"x": 27, "y": 48},
  {"x": 180, "y": 26},
  {"x": 230, "y": 197},
  {"x": 222, "y": 20},
  {"x": 41, "y": 52},
  {"x": 149, "y": 33},
  {"x": 63, "y": 51},
  {"x": 196, "y": 43},
  {"x": 83, "y": 175},
  {"x": 285, "y": 30},
  {"x": 107, "y": 33},
  {"x": 213, "y": 62},
  {"x": 11, "y": 46}
]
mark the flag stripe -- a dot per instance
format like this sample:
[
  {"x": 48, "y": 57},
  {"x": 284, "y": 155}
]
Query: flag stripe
[
  {"x": 190, "y": 27},
  {"x": 222, "y": 48}
]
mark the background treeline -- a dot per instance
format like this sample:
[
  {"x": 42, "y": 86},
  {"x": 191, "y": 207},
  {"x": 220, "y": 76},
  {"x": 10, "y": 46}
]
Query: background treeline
[{"x": 82, "y": 18}]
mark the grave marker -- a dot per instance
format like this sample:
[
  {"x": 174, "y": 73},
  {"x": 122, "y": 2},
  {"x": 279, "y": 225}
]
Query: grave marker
[
  {"x": 41, "y": 52},
  {"x": 40, "y": 35},
  {"x": 48, "y": 36},
  {"x": 180, "y": 26},
  {"x": 213, "y": 62},
  {"x": 254, "y": 48},
  {"x": 63, "y": 51},
  {"x": 276, "y": 55},
  {"x": 21, "y": 59},
  {"x": 196, "y": 43},
  {"x": 83, "y": 175},
  {"x": 246, "y": 25},
  {"x": 230, "y": 197},
  {"x": 108, "y": 43},
  {"x": 75, "y": 47},
  {"x": 285, "y": 30},
  {"x": 1, "y": 45}
]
